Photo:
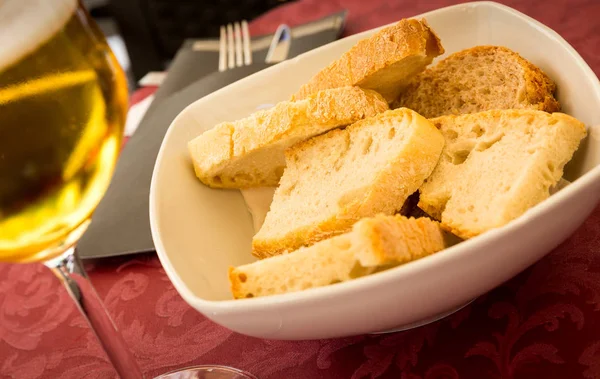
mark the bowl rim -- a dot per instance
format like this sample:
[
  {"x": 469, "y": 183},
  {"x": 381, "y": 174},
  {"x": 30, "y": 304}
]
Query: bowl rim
[{"x": 411, "y": 268}]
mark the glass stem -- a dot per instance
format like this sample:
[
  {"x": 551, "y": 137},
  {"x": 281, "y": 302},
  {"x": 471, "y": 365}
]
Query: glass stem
[{"x": 69, "y": 269}]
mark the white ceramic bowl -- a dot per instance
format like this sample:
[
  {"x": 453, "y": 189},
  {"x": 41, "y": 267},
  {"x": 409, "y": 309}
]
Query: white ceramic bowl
[{"x": 199, "y": 232}]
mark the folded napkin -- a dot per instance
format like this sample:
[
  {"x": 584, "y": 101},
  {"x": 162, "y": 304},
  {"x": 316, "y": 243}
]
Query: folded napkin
[
  {"x": 121, "y": 224},
  {"x": 199, "y": 57}
]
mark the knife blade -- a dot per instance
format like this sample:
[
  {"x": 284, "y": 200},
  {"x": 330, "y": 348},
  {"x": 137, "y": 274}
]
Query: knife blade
[{"x": 280, "y": 44}]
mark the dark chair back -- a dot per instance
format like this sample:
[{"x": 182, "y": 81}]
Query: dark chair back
[{"x": 154, "y": 30}]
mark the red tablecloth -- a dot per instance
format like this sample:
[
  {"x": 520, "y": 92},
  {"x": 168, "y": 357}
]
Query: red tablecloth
[{"x": 545, "y": 323}]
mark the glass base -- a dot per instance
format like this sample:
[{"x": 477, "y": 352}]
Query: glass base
[{"x": 207, "y": 372}]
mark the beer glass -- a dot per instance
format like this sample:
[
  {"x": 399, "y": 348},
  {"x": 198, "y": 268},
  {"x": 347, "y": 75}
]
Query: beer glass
[{"x": 63, "y": 103}]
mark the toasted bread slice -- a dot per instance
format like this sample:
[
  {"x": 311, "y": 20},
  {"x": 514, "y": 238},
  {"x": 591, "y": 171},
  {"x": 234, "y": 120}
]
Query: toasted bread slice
[
  {"x": 496, "y": 165},
  {"x": 250, "y": 152},
  {"x": 333, "y": 180},
  {"x": 383, "y": 62},
  {"x": 479, "y": 79},
  {"x": 373, "y": 244}
]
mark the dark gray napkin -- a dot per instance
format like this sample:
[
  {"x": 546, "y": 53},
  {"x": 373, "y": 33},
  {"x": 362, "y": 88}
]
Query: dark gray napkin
[
  {"x": 192, "y": 62},
  {"x": 120, "y": 224}
]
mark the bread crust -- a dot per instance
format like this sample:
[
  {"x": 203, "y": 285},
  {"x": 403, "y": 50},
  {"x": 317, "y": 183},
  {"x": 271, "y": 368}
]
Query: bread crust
[
  {"x": 397, "y": 52},
  {"x": 250, "y": 152},
  {"x": 530, "y": 149},
  {"x": 394, "y": 182},
  {"x": 539, "y": 89},
  {"x": 373, "y": 244}
]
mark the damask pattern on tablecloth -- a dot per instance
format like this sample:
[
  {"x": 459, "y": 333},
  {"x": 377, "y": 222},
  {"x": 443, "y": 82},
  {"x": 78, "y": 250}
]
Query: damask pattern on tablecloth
[{"x": 543, "y": 323}]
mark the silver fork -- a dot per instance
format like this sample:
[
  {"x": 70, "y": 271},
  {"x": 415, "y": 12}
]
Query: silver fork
[{"x": 234, "y": 46}]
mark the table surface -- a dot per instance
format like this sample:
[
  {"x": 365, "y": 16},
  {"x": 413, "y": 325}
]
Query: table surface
[{"x": 544, "y": 323}]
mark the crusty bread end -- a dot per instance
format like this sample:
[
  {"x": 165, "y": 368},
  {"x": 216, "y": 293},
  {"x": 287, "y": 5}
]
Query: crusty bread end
[
  {"x": 250, "y": 152},
  {"x": 384, "y": 62},
  {"x": 373, "y": 244},
  {"x": 479, "y": 79}
]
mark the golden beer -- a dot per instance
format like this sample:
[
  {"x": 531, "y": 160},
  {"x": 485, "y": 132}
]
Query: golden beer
[{"x": 63, "y": 101}]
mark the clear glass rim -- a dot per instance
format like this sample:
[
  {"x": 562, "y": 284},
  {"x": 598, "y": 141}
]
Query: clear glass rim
[{"x": 207, "y": 368}]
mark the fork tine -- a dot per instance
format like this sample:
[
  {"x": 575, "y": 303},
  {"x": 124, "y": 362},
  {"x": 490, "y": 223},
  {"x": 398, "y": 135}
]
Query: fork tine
[
  {"x": 230, "y": 51},
  {"x": 222, "y": 48},
  {"x": 246, "y": 42},
  {"x": 238, "y": 44}
]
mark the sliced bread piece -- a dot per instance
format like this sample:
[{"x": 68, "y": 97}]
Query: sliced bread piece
[
  {"x": 373, "y": 244},
  {"x": 250, "y": 152},
  {"x": 383, "y": 62},
  {"x": 496, "y": 165},
  {"x": 333, "y": 180},
  {"x": 479, "y": 79}
]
